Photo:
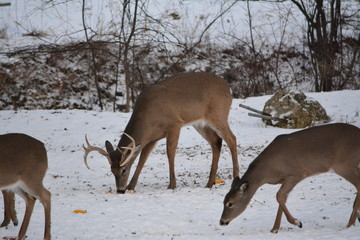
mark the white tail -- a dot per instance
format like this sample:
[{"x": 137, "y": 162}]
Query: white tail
[
  {"x": 23, "y": 164},
  {"x": 291, "y": 158},
  {"x": 199, "y": 99},
  {"x": 9, "y": 209}
]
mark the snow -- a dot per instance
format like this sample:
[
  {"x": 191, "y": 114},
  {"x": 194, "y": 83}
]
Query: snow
[
  {"x": 60, "y": 22},
  {"x": 323, "y": 203}
]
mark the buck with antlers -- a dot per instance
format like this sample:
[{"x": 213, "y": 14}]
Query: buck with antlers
[
  {"x": 9, "y": 209},
  {"x": 292, "y": 157},
  {"x": 23, "y": 164},
  {"x": 199, "y": 99}
]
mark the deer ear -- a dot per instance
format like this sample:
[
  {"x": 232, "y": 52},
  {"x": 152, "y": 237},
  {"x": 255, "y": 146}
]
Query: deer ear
[
  {"x": 137, "y": 148},
  {"x": 109, "y": 147},
  {"x": 235, "y": 183},
  {"x": 243, "y": 187}
]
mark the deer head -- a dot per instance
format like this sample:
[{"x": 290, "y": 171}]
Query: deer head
[
  {"x": 235, "y": 201},
  {"x": 119, "y": 159}
]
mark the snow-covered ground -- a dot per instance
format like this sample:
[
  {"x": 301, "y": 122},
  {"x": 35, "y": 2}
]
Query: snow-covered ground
[{"x": 323, "y": 203}]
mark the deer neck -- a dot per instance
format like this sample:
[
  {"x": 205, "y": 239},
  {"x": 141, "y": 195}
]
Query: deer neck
[
  {"x": 255, "y": 175},
  {"x": 138, "y": 128}
]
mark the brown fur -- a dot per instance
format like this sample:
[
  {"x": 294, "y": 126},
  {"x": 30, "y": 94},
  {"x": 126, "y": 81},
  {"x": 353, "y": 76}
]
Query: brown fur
[
  {"x": 23, "y": 164},
  {"x": 293, "y": 157},
  {"x": 161, "y": 110}
]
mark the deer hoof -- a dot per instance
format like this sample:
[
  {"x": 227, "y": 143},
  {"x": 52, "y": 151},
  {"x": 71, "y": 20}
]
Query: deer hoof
[
  {"x": 274, "y": 231},
  {"x": 298, "y": 223},
  {"x": 9, "y": 238},
  {"x": 209, "y": 185},
  {"x": 3, "y": 225},
  {"x": 172, "y": 186},
  {"x": 222, "y": 223},
  {"x": 120, "y": 191}
]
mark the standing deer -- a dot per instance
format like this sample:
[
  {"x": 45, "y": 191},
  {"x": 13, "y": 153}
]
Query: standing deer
[
  {"x": 23, "y": 164},
  {"x": 161, "y": 110},
  {"x": 293, "y": 157},
  {"x": 9, "y": 209}
]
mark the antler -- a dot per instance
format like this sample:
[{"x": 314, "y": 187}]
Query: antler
[
  {"x": 132, "y": 150},
  {"x": 91, "y": 148}
]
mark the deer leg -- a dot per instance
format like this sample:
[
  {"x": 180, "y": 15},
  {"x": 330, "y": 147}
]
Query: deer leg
[
  {"x": 353, "y": 178},
  {"x": 47, "y": 207},
  {"x": 7, "y": 217},
  {"x": 222, "y": 128},
  {"x": 143, "y": 157},
  {"x": 45, "y": 199},
  {"x": 172, "y": 138},
  {"x": 12, "y": 211},
  {"x": 356, "y": 210},
  {"x": 276, "y": 227},
  {"x": 215, "y": 142},
  {"x": 281, "y": 196},
  {"x": 30, "y": 201},
  {"x": 356, "y": 207},
  {"x": 9, "y": 208}
]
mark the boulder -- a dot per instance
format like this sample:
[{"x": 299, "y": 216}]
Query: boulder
[{"x": 299, "y": 110}]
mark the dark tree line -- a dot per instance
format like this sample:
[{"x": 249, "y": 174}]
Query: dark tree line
[
  {"x": 139, "y": 49},
  {"x": 326, "y": 21}
]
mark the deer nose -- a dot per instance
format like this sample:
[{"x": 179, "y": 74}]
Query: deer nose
[
  {"x": 120, "y": 191},
  {"x": 222, "y": 223}
]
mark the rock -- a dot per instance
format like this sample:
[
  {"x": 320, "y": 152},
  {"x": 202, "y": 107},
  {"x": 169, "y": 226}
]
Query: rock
[{"x": 299, "y": 110}]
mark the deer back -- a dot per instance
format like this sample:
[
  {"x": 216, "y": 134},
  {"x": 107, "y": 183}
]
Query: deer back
[
  {"x": 21, "y": 158},
  {"x": 311, "y": 151},
  {"x": 181, "y": 99}
]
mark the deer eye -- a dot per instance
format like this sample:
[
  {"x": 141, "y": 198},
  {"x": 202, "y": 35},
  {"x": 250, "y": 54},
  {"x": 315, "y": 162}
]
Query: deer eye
[
  {"x": 123, "y": 172},
  {"x": 230, "y": 204}
]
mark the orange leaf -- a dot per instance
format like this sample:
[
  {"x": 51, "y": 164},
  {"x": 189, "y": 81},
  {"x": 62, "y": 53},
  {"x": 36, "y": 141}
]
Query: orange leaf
[
  {"x": 218, "y": 181},
  {"x": 79, "y": 211}
]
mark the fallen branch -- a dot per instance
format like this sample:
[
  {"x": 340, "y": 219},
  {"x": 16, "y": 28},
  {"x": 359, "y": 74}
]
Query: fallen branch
[
  {"x": 261, "y": 114},
  {"x": 267, "y": 117},
  {"x": 254, "y": 110},
  {"x": 5, "y": 4}
]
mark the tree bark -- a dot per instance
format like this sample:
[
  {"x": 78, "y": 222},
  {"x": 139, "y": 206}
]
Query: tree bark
[{"x": 322, "y": 39}]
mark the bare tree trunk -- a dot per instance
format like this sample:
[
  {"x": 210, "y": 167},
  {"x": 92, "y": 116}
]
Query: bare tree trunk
[
  {"x": 322, "y": 40},
  {"x": 125, "y": 46},
  {"x": 257, "y": 69},
  {"x": 251, "y": 29},
  {"x": 93, "y": 60}
]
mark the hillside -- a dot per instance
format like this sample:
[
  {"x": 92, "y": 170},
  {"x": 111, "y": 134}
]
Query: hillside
[{"x": 46, "y": 62}]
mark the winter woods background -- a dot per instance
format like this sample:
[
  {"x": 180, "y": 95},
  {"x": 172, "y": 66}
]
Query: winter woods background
[{"x": 100, "y": 54}]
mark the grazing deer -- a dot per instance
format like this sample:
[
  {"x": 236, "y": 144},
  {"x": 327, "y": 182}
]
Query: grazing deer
[
  {"x": 9, "y": 209},
  {"x": 293, "y": 157},
  {"x": 199, "y": 99},
  {"x": 23, "y": 164}
]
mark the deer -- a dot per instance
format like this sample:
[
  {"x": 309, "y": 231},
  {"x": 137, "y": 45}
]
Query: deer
[
  {"x": 23, "y": 164},
  {"x": 9, "y": 209},
  {"x": 289, "y": 159},
  {"x": 200, "y": 99}
]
